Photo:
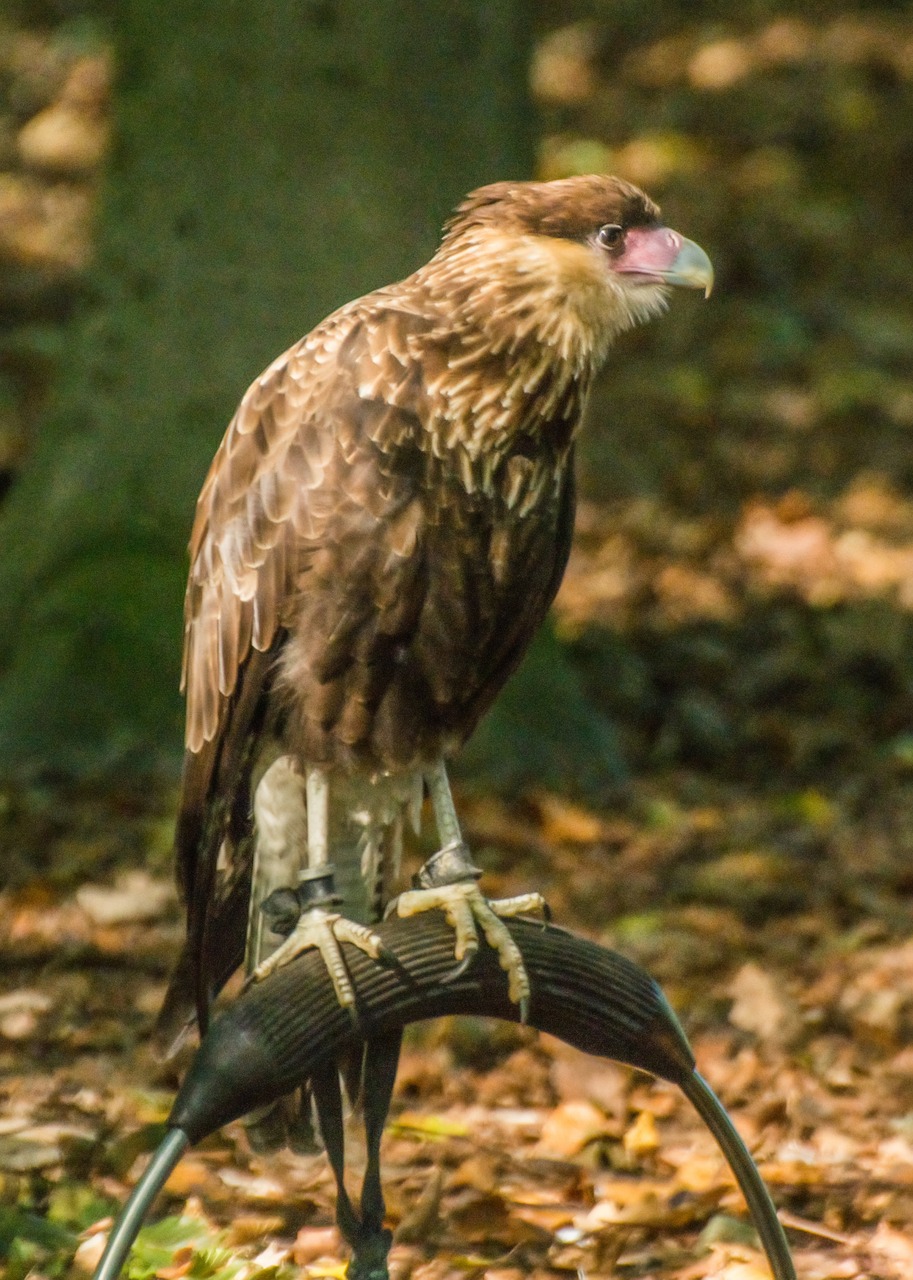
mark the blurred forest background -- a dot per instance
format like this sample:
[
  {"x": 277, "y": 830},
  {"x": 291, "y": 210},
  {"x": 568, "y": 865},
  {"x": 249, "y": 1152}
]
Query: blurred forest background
[{"x": 709, "y": 760}]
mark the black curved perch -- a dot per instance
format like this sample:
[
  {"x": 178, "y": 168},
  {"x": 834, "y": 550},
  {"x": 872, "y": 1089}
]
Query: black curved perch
[{"x": 287, "y": 1028}]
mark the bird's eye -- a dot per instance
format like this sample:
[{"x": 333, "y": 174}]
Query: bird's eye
[{"x": 610, "y": 235}]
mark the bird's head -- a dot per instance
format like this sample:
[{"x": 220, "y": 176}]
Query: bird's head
[{"x": 594, "y": 247}]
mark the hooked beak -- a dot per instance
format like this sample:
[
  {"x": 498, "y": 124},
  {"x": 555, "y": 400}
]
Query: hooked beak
[
  {"x": 661, "y": 255},
  {"x": 691, "y": 268}
]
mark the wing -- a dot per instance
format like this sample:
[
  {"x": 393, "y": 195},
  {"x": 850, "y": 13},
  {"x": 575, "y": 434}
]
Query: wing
[
  {"x": 337, "y": 553},
  {"x": 298, "y": 472}
]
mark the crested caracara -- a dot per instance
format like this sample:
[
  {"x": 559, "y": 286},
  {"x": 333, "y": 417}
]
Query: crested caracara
[{"x": 380, "y": 534}]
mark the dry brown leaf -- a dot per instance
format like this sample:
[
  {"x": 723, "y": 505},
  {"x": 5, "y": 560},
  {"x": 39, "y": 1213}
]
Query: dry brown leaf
[
  {"x": 479, "y": 1171},
  {"x": 89, "y": 1251},
  {"x": 547, "y": 1217},
  {"x": 189, "y": 1175},
  {"x": 312, "y": 1243},
  {"x": 644, "y": 1202},
  {"x": 181, "y": 1264},
  {"x": 480, "y": 1217},
  {"x": 576, "y": 1075},
  {"x": 703, "y": 1174},
  {"x": 739, "y": 1270},
  {"x": 569, "y": 1128},
  {"x": 566, "y": 823},
  {"x": 642, "y": 1138},
  {"x": 423, "y": 1220},
  {"x": 134, "y": 897},
  {"x": 247, "y": 1228},
  {"x": 763, "y": 1007},
  {"x": 893, "y": 1247}
]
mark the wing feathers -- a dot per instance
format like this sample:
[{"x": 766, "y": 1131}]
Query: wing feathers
[
  {"x": 229, "y": 634},
  {"x": 296, "y": 458},
  {"x": 321, "y": 565}
]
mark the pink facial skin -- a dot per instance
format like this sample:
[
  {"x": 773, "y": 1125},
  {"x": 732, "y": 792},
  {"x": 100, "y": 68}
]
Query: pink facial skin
[
  {"x": 660, "y": 255},
  {"x": 649, "y": 251}
]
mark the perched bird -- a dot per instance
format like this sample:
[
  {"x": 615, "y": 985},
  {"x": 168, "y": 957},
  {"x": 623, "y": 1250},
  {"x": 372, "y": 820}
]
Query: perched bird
[{"x": 380, "y": 534}]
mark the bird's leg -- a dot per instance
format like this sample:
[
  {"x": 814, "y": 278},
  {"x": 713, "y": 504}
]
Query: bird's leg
[
  {"x": 371, "y": 1246},
  {"x": 449, "y": 880},
  {"x": 280, "y": 852},
  {"x": 328, "y": 1103},
  {"x": 318, "y": 923},
  {"x": 369, "y": 1238}
]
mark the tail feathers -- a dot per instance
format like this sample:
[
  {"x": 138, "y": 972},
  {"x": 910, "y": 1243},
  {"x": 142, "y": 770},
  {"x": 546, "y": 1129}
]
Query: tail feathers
[
  {"x": 288, "y": 1122},
  {"x": 176, "y": 1022}
]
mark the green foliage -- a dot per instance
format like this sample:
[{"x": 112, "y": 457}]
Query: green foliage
[
  {"x": 76, "y": 1205},
  {"x": 20, "y": 1227},
  {"x": 546, "y": 731},
  {"x": 92, "y": 683},
  {"x": 157, "y": 1245}
]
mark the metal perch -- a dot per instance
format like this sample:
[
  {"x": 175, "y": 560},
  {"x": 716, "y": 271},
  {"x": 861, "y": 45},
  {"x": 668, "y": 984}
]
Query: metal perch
[{"x": 290, "y": 1028}]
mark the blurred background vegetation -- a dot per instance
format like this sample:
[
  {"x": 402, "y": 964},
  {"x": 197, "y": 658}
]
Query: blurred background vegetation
[{"x": 177, "y": 206}]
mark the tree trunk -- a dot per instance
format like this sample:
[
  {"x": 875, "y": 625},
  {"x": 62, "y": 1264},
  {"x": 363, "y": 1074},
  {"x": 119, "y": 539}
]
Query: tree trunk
[{"x": 271, "y": 161}]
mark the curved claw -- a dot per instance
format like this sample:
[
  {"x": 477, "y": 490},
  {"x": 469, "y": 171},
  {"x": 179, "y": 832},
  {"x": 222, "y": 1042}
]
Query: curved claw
[
  {"x": 388, "y": 958},
  {"x": 325, "y": 931},
  {"x": 469, "y": 913},
  {"x": 454, "y": 974}
]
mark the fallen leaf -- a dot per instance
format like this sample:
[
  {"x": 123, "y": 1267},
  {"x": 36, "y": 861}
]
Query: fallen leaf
[
  {"x": 332, "y": 1270},
  {"x": 134, "y": 897},
  {"x": 642, "y": 1139},
  {"x": 762, "y": 1007},
  {"x": 312, "y": 1243},
  {"x": 564, "y": 822},
  {"x": 480, "y": 1171},
  {"x": 431, "y": 1126},
  {"x": 181, "y": 1264},
  {"x": 570, "y": 1127},
  {"x": 187, "y": 1176},
  {"x": 272, "y": 1257},
  {"x": 894, "y": 1245},
  {"x": 423, "y": 1221},
  {"x": 247, "y": 1228},
  {"x": 88, "y": 1254},
  {"x": 254, "y": 1186}
]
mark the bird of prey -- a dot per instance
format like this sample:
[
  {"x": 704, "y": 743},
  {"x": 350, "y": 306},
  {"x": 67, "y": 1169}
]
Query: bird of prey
[{"x": 383, "y": 529}]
